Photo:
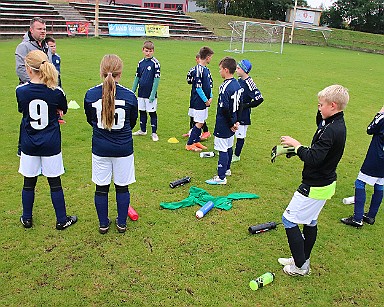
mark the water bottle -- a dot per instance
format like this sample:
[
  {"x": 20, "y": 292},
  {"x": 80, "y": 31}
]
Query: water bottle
[
  {"x": 179, "y": 182},
  {"x": 132, "y": 214},
  {"x": 207, "y": 154},
  {"x": 262, "y": 281},
  {"x": 262, "y": 228},
  {"x": 204, "y": 209},
  {"x": 349, "y": 200}
]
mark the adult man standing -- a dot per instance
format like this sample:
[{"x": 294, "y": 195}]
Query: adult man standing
[{"x": 34, "y": 39}]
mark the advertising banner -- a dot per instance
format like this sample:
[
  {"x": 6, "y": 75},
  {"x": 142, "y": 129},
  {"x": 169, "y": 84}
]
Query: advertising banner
[
  {"x": 77, "y": 27},
  {"x": 157, "y": 30}
]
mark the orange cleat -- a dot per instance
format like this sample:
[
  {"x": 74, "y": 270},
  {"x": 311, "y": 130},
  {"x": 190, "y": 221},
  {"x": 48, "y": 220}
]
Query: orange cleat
[
  {"x": 199, "y": 145},
  {"x": 192, "y": 148}
]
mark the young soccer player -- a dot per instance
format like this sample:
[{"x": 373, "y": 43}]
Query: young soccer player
[
  {"x": 251, "y": 98},
  {"x": 318, "y": 178},
  {"x": 111, "y": 110},
  {"x": 226, "y": 119},
  {"x": 201, "y": 98},
  {"x": 190, "y": 77},
  {"x": 372, "y": 173},
  {"x": 147, "y": 79},
  {"x": 38, "y": 100},
  {"x": 56, "y": 59}
]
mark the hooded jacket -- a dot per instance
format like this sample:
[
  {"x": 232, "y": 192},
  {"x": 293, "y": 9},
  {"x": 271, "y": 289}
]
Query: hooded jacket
[{"x": 28, "y": 44}]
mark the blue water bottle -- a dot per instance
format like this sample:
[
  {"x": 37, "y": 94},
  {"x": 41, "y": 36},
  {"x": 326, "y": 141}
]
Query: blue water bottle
[{"x": 204, "y": 209}]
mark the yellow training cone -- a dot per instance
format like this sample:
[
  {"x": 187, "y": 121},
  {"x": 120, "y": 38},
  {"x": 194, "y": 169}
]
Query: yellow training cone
[{"x": 173, "y": 140}]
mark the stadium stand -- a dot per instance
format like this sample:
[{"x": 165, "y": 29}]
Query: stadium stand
[{"x": 15, "y": 16}]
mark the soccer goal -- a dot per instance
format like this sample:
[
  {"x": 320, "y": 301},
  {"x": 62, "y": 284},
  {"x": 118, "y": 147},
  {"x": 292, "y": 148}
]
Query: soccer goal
[{"x": 256, "y": 36}]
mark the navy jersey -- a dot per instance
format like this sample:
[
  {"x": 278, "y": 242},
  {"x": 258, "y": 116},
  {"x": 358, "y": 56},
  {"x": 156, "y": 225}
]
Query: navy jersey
[
  {"x": 251, "y": 97},
  {"x": 190, "y": 77},
  {"x": 374, "y": 161},
  {"x": 202, "y": 79},
  {"x": 227, "y": 107},
  {"x": 117, "y": 142},
  {"x": 147, "y": 71},
  {"x": 39, "y": 130},
  {"x": 56, "y": 60}
]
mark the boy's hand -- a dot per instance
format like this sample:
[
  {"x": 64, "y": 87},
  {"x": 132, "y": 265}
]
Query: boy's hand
[
  {"x": 208, "y": 103},
  {"x": 289, "y": 141},
  {"x": 235, "y": 127},
  {"x": 60, "y": 112}
]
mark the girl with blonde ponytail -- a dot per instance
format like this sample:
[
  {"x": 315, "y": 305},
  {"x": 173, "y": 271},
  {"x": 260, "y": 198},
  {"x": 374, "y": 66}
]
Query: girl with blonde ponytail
[
  {"x": 111, "y": 110},
  {"x": 39, "y": 100}
]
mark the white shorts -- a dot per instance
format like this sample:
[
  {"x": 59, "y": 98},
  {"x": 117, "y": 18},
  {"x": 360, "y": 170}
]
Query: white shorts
[
  {"x": 32, "y": 166},
  {"x": 145, "y": 105},
  {"x": 370, "y": 180},
  {"x": 241, "y": 133},
  {"x": 302, "y": 209},
  {"x": 123, "y": 170},
  {"x": 200, "y": 116},
  {"x": 191, "y": 112},
  {"x": 223, "y": 144}
]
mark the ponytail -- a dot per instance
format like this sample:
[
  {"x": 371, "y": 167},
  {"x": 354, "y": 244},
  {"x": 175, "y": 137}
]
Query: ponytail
[{"x": 108, "y": 102}]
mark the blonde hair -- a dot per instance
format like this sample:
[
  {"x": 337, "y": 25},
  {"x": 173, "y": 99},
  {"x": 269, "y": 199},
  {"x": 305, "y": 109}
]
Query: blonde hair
[
  {"x": 38, "y": 61},
  {"x": 111, "y": 66},
  {"x": 335, "y": 93}
]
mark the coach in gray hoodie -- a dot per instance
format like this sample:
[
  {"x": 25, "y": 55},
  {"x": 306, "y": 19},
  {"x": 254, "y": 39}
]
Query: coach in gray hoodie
[{"x": 34, "y": 39}]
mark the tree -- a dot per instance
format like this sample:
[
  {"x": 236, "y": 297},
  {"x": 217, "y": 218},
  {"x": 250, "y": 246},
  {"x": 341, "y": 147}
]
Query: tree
[
  {"x": 359, "y": 15},
  {"x": 260, "y": 9}
]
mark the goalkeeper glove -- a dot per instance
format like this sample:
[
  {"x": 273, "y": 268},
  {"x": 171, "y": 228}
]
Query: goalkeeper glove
[{"x": 279, "y": 150}]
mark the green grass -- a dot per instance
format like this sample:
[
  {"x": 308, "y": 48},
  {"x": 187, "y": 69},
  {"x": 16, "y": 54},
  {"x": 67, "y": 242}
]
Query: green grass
[{"x": 169, "y": 258}]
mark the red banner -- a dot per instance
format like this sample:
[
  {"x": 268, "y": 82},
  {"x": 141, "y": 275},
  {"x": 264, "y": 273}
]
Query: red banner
[{"x": 77, "y": 27}]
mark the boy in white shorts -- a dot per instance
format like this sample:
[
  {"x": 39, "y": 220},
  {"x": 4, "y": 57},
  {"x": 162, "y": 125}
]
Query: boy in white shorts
[
  {"x": 147, "y": 78},
  {"x": 372, "y": 173},
  {"x": 318, "y": 178}
]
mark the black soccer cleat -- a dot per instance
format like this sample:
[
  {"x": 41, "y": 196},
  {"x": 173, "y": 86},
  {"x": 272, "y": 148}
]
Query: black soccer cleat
[
  {"x": 368, "y": 220},
  {"x": 120, "y": 228},
  {"x": 352, "y": 222},
  {"x": 103, "y": 229},
  {"x": 27, "y": 223},
  {"x": 70, "y": 221}
]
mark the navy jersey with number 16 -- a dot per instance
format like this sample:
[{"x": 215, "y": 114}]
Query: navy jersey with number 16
[
  {"x": 117, "y": 142},
  {"x": 40, "y": 130},
  {"x": 227, "y": 108}
]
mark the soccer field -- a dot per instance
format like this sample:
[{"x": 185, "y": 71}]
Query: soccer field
[{"x": 169, "y": 258}]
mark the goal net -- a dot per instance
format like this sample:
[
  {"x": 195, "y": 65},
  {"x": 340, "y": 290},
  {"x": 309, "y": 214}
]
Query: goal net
[{"x": 256, "y": 36}]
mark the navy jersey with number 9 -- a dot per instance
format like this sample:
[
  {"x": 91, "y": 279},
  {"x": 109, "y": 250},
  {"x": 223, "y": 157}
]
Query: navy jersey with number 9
[
  {"x": 117, "y": 142},
  {"x": 40, "y": 130}
]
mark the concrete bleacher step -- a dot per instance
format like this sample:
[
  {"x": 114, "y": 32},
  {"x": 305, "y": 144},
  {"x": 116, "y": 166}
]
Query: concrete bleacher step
[{"x": 15, "y": 16}]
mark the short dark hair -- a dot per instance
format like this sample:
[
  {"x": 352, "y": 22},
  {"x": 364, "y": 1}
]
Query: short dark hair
[
  {"x": 49, "y": 39},
  {"x": 37, "y": 19},
  {"x": 205, "y": 52},
  {"x": 229, "y": 63}
]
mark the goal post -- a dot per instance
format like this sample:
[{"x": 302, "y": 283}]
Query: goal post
[{"x": 256, "y": 36}]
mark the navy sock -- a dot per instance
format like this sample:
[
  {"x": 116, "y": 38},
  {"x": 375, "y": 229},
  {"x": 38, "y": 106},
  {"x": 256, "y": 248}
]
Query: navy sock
[
  {"x": 296, "y": 245},
  {"x": 123, "y": 200},
  {"x": 205, "y": 127},
  {"x": 191, "y": 122},
  {"x": 222, "y": 164},
  {"x": 194, "y": 137},
  {"x": 58, "y": 202},
  {"x": 360, "y": 197},
  {"x": 153, "y": 116},
  {"x": 27, "y": 199},
  {"x": 101, "y": 204},
  {"x": 376, "y": 200},
  {"x": 143, "y": 121},
  {"x": 310, "y": 235},
  {"x": 230, "y": 153},
  {"x": 239, "y": 146}
]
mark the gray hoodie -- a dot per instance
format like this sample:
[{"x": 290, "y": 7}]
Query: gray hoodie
[{"x": 28, "y": 44}]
